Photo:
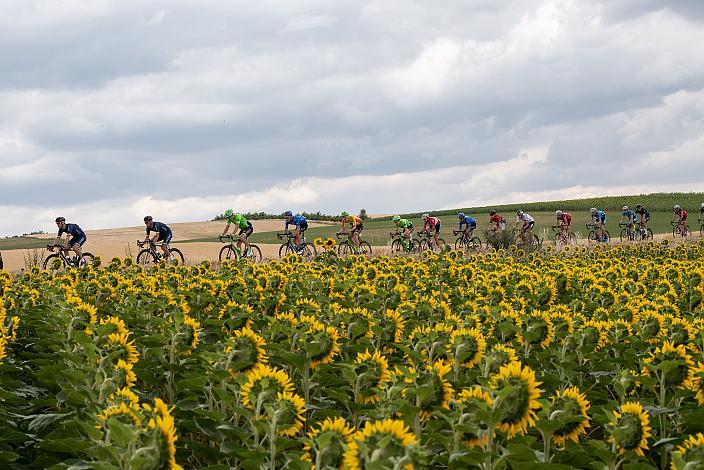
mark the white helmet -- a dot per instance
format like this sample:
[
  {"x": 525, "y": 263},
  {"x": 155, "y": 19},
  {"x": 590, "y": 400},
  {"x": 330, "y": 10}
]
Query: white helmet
[
  {"x": 677, "y": 207},
  {"x": 424, "y": 216},
  {"x": 558, "y": 213},
  {"x": 624, "y": 208},
  {"x": 702, "y": 205},
  {"x": 593, "y": 209},
  {"x": 519, "y": 212}
]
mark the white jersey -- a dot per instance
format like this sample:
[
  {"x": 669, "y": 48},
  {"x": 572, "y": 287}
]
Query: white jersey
[{"x": 525, "y": 218}]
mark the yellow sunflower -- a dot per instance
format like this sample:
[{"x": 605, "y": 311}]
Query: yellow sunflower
[
  {"x": 630, "y": 428},
  {"x": 469, "y": 401},
  {"x": 498, "y": 356},
  {"x": 163, "y": 422},
  {"x": 538, "y": 329},
  {"x": 519, "y": 405},
  {"x": 263, "y": 384},
  {"x": 322, "y": 344},
  {"x": 467, "y": 347},
  {"x": 372, "y": 375},
  {"x": 430, "y": 377},
  {"x": 326, "y": 448},
  {"x": 690, "y": 454},
  {"x": 381, "y": 444},
  {"x": 245, "y": 351},
  {"x": 290, "y": 410},
  {"x": 572, "y": 407},
  {"x": 697, "y": 382},
  {"x": 679, "y": 376}
]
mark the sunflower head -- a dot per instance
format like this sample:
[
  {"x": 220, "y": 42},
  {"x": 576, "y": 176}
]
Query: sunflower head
[
  {"x": 499, "y": 356},
  {"x": 538, "y": 329},
  {"x": 467, "y": 347},
  {"x": 516, "y": 395},
  {"x": 690, "y": 454},
  {"x": 326, "y": 443},
  {"x": 381, "y": 444},
  {"x": 670, "y": 364},
  {"x": 630, "y": 428},
  {"x": 263, "y": 385},
  {"x": 569, "y": 408},
  {"x": 371, "y": 376},
  {"x": 470, "y": 403},
  {"x": 244, "y": 351},
  {"x": 288, "y": 411}
]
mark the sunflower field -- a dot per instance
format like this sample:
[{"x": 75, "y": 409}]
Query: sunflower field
[{"x": 585, "y": 358}]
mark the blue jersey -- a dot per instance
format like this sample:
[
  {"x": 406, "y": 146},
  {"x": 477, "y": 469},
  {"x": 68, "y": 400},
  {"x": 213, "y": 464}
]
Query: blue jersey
[
  {"x": 628, "y": 214},
  {"x": 600, "y": 216},
  {"x": 72, "y": 229},
  {"x": 161, "y": 228},
  {"x": 468, "y": 221},
  {"x": 643, "y": 212},
  {"x": 297, "y": 220}
]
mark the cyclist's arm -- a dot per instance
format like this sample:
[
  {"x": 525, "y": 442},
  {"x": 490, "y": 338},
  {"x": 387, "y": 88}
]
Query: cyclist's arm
[
  {"x": 344, "y": 224},
  {"x": 227, "y": 229}
]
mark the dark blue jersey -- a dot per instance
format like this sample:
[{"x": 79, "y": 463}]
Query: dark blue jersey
[
  {"x": 72, "y": 229},
  {"x": 468, "y": 221},
  {"x": 161, "y": 228},
  {"x": 643, "y": 212},
  {"x": 296, "y": 220}
]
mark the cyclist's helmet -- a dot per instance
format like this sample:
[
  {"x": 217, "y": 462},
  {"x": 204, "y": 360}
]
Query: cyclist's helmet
[
  {"x": 288, "y": 214},
  {"x": 558, "y": 213},
  {"x": 148, "y": 218},
  {"x": 638, "y": 206},
  {"x": 460, "y": 215},
  {"x": 424, "y": 216},
  {"x": 494, "y": 212},
  {"x": 592, "y": 210},
  {"x": 396, "y": 218},
  {"x": 677, "y": 207},
  {"x": 344, "y": 214},
  {"x": 702, "y": 205},
  {"x": 228, "y": 213},
  {"x": 624, "y": 208},
  {"x": 519, "y": 212},
  {"x": 60, "y": 219}
]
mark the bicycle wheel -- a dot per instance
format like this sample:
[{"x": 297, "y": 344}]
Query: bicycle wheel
[
  {"x": 459, "y": 243},
  {"x": 176, "y": 255},
  {"x": 49, "y": 263},
  {"x": 227, "y": 253},
  {"x": 308, "y": 252},
  {"x": 475, "y": 244},
  {"x": 284, "y": 250},
  {"x": 701, "y": 233},
  {"x": 624, "y": 234},
  {"x": 397, "y": 246},
  {"x": 86, "y": 259},
  {"x": 441, "y": 243},
  {"x": 416, "y": 246},
  {"x": 571, "y": 239},
  {"x": 423, "y": 245},
  {"x": 344, "y": 248},
  {"x": 145, "y": 257},
  {"x": 365, "y": 248},
  {"x": 649, "y": 234},
  {"x": 255, "y": 254}
]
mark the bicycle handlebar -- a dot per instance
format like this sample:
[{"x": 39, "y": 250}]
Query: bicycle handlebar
[
  {"x": 281, "y": 235},
  {"x": 224, "y": 237}
]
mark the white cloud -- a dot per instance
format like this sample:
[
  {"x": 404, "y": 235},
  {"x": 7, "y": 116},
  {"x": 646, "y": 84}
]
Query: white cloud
[{"x": 309, "y": 21}]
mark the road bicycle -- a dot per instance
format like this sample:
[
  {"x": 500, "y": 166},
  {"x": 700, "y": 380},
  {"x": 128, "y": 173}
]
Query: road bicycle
[
  {"x": 701, "y": 234},
  {"x": 348, "y": 247},
  {"x": 148, "y": 256},
  {"x": 594, "y": 234},
  {"x": 563, "y": 235},
  {"x": 427, "y": 241},
  {"x": 65, "y": 260},
  {"x": 528, "y": 241},
  {"x": 1, "y": 265},
  {"x": 466, "y": 241},
  {"x": 643, "y": 233},
  {"x": 680, "y": 229},
  {"x": 627, "y": 233},
  {"x": 398, "y": 244},
  {"x": 305, "y": 249},
  {"x": 232, "y": 252}
]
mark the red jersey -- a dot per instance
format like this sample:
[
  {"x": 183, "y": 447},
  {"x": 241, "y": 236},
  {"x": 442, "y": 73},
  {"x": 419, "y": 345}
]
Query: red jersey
[
  {"x": 683, "y": 214},
  {"x": 497, "y": 219},
  {"x": 566, "y": 218},
  {"x": 432, "y": 221}
]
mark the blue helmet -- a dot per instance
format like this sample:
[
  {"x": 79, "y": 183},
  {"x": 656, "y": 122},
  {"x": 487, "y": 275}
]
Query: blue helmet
[
  {"x": 460, "y": 215},
  {"x": 288, "y": 214}
]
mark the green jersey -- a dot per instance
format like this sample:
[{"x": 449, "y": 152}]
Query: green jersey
[
  {"x": 404, "y": 223},
  {"x": 238, "y": 220}
]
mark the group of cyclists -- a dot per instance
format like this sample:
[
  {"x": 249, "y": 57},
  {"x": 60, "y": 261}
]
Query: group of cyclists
[{"x": 353, "y": 226}]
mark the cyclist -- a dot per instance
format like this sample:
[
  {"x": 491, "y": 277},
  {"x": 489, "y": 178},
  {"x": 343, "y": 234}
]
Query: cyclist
[
  {"x": 431, "y": 222},
  {"x": 469, "y": 222},
  {"x": 644, "y": 216},
  {"x": 75, "y": 237},
  {"x": 679, "y": 214},
  {"x": 301, "y": 225},
  {"x": 629, "y": 218},
  {"x": 405, "y": 227},
  {"x": 163, "y": 234},
  {"x": 701, "y": 213},
  {"x": 527, "y": 221},
  {"x": 564, "y": 221},
  {"x": 245, "y": 226},
  {"x": 598, "y": 218},
  {"x": 498, "y": 221},
  {"x": 356, "y": 226}
]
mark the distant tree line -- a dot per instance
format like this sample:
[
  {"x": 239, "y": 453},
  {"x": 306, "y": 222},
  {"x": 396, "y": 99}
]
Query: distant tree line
[{"x": 308, "y": 215}]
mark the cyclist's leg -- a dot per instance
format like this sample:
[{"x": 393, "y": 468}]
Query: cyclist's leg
[
  {"x": 436, "y": 235},
  {"x": 165, "y": 244}
]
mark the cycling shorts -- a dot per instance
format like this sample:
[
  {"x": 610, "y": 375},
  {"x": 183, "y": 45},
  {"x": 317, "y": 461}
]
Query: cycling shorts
[
  {"x": 529, "y": 225},
  {"x": 357, "y": 228},
  {"x": 165, "y": 237},
  {"x": 437, "y": 228},
  {"x": 303, "y": 227},
  {"x": 77, "y": 241},
  {"x": 247, "y": 231},
  {"x": 471, "y": 226}
]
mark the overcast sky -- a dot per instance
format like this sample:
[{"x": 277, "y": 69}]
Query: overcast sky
[{"x": 111, "y": 109}]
